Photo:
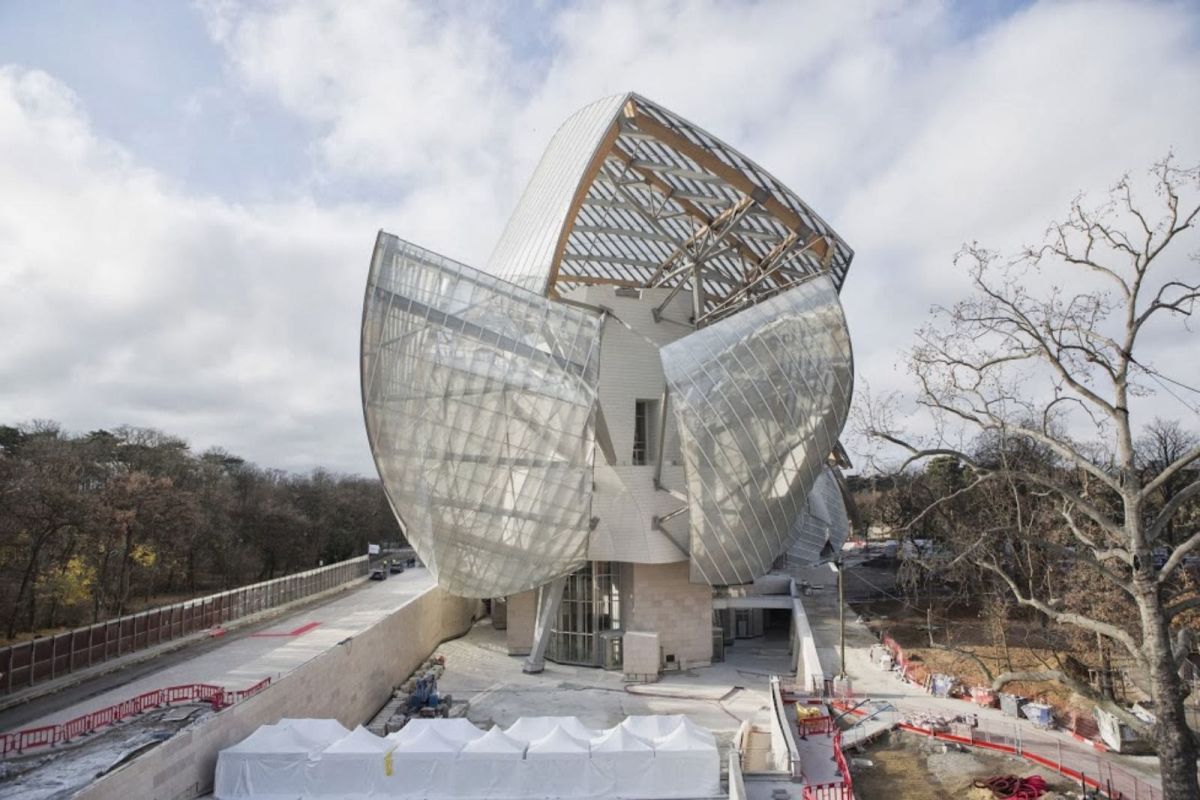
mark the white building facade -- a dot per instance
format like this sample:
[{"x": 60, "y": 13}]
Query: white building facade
[{"x": 635, "y": 413}]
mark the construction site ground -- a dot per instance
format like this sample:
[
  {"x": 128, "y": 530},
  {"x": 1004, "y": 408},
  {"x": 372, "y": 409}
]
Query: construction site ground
[
  {"x": 480, "y": 672},
  {"x": 869, "y": 681},
  {"x": 1030, "y": 647}
]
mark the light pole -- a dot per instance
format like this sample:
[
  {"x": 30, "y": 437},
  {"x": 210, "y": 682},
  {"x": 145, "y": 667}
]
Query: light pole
[{"x": 838, "y": 567}]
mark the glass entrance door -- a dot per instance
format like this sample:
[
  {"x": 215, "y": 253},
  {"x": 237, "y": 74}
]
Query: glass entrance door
[{"x": 591, "y": 606}]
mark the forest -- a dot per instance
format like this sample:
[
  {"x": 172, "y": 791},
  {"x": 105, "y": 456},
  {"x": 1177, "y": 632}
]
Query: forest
[{"x": 105, "y": 523}]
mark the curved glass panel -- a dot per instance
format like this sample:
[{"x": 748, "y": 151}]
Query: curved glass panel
[
  {"x": 525, "y": 251},
  {"x": 760, "y": 398},
  {"x": 479, "y": 400},
  {"x": 823, "y": 521}
]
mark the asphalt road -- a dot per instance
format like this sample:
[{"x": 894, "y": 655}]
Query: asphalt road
[{"x": 236, "y": 660}]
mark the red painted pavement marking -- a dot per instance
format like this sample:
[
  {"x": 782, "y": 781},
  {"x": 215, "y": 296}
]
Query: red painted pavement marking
[{"x": 297, "y": 632}]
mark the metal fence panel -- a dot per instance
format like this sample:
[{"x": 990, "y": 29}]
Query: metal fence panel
[{"x": 29, "y": 663}]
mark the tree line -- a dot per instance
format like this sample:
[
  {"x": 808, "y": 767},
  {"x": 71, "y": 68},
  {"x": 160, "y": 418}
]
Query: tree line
[{"x": 100, "y": 524}]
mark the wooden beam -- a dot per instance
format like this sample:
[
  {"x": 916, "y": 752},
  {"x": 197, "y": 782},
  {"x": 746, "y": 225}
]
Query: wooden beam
[{"x": 581, "y": 190}]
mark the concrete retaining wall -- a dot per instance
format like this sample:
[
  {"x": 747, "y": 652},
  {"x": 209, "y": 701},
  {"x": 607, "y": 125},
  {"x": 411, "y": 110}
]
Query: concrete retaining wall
[
  {"x": 808, "y": 661},
  {"x": 348, "y": 682}
]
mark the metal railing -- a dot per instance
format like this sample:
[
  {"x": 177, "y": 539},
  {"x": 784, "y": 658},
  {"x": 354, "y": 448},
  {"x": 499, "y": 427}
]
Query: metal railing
[
  {"x": 29, "y": 663},
  {"x": 1089, "y": 769},
  {"x": 49, "y": 735}
]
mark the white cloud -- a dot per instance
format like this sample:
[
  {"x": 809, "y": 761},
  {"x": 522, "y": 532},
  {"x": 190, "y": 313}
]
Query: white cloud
[
  {"x": 129, "y": 300},
  {"x": 126, "y": 302}
]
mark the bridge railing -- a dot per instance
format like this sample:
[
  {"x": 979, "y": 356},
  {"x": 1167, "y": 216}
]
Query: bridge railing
[{"x": 43, "y": 659}]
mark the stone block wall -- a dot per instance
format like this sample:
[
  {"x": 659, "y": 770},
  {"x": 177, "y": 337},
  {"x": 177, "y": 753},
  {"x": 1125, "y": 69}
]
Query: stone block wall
[
  {"x": 663, "y": 600},
  {"x": 522, "y": 614},
  {"x": 348, "y": 682}
]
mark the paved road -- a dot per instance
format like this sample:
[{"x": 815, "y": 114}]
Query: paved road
[{"x": 240, "y": 659}]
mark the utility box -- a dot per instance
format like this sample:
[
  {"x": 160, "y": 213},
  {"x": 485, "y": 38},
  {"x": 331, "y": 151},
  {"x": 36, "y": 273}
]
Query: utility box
[
  {"x": 941, "y": 685},
  {"x": 1011, "y": 704},
  {"x": 642, "y": 656},
  {"x": 1118, "y": 736},
  {"x": 1039, "y": 714}
]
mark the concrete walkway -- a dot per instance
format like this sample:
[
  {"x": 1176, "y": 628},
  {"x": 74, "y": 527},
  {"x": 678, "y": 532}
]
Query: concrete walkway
[
  {"x": 289, "y": 641},
  {"x": 1136, "y": 776}
]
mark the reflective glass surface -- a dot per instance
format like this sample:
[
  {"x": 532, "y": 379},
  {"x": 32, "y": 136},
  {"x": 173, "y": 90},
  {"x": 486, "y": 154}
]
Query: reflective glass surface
[
  {"x": 760, "y": 398},
  {"x": 479, "y": 399},
  {"x": 823, "y": 520}
]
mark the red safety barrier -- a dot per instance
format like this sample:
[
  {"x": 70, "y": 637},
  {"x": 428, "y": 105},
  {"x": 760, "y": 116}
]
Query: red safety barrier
[
  {"x": 810, "y": 726},
  {"x": 839, "y": 790},
  {"x": 46, "y": 736},
  {"x": 1111, "y": 781}
]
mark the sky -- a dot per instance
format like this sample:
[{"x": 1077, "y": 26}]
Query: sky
[{"x": 189, "y": 193}]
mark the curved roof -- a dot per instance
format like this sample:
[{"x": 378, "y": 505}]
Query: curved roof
[{"x": 630, "y": 194}]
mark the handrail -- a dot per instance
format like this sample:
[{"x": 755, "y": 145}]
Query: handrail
[{"x": 789, "y": 736}]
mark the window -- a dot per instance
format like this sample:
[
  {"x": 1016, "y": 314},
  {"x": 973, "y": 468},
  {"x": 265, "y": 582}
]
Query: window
[
  {"x": 640, "y": 431},
  {"x": 645, "y": 431}
]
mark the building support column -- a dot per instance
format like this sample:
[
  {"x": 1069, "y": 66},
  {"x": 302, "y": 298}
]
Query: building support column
[{"x": 549, "y": 599}]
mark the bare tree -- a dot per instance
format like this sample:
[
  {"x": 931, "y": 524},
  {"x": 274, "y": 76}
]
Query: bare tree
[{"x": 1052, "y": 348}]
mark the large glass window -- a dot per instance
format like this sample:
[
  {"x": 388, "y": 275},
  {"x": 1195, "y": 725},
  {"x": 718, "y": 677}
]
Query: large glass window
[{"x": 591, "y": 605}]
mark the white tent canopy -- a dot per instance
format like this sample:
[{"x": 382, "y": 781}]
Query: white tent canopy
[
  {"x": 494, "y": 744},
  {"x": 350, "y": 768},
  {"x": 272, "y": 762},
  {"x": 558, "y": 765},
  {"x": 321, "y": 732},
  {"x": 656, "y": 726},
  {"x": 621, "y": 765},
  {"x": 492, "y": 766},
  {"x": 456, "y": 730},
  {"x": 533, "y": 728},
  {"x": 454, "y": 760},
  {"x": 686, "y": 764},
  {"x": 423, "y": 765}
]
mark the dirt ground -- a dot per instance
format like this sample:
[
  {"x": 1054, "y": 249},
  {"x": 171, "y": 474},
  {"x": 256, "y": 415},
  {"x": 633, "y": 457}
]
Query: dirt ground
[
  {"x": 1030, "y": 647},
  {"x": 908, "y": 766}
]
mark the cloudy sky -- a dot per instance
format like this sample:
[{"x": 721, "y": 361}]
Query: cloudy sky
[{"x": 189, "y": 193}]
